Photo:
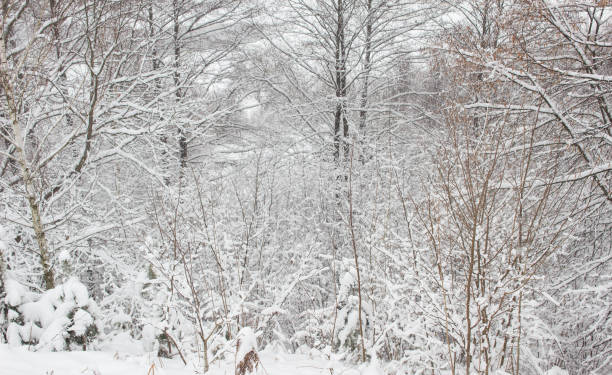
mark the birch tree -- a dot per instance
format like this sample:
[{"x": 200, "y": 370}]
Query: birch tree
[{"x": 68, "y": 114}]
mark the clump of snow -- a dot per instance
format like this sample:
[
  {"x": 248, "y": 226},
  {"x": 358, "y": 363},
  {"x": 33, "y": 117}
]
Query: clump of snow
[
  {"x": 41, "y": 311},
  {"x": 247, "y": 342},
  {"x": 555, "y": 370},
  {"x": 13, "y": 335},
  {"x": 81, "y": 321},
  {"x": 12, "y": 315},
  {"x": 75, "y": 290},
  {"x": 148, "y": 338},
  {"x": 348, "y": 323},
  {"x": 346, "y": 283},
  {"x": 30, "y": 332},
  {"x": 53, "y": 336},
  {"x": 64, "y": 256},
  {"x": 15, "y": 292},
  {"x": 55, "y": 316}
]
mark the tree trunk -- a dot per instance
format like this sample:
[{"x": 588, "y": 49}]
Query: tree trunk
[
  {"x": 341, "y": 128},
  {"x": 367, "y": 67},
  {"x": 182, "y": 138},
  {"x": 30, "y": 189}
]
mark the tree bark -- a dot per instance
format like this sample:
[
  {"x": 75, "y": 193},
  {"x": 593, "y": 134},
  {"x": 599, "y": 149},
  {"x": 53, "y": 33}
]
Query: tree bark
[
  {"x": 26, "y": 174},
  {"x": 341, "y": 128}
]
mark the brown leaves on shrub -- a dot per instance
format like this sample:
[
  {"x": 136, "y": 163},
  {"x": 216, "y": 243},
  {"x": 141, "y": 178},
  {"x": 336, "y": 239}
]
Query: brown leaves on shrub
[{"x": 248, "y": 364}]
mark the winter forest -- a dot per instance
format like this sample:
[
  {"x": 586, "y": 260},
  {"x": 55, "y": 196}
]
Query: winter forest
[{"x": 386, "y": 186}]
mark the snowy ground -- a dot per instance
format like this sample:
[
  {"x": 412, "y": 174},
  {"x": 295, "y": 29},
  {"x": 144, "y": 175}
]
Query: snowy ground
[{"x": 20, "y": 361}]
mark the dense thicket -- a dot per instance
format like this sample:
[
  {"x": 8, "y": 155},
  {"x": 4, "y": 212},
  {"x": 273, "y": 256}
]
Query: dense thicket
[{"x": 425, "y": 182}]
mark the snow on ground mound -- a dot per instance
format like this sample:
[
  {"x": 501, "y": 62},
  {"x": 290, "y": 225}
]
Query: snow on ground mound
[{"x": 19, "y": 361}]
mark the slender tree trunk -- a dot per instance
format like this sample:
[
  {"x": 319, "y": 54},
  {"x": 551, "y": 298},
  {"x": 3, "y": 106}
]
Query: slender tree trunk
[
  {"x": 26, "y": 174},
  {"x": 367, "y": 67},
  {"x": 341, "y": 128},
  {"x": 156, "y": 64},
  {"x": 182, "y": 138},
  {"x": 337, "y": 138},
  {"x": 356, "y": 257}
]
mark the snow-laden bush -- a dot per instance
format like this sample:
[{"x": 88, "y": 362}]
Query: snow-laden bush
[
  {"x": 346, "y": 332},
  {"x": 347, "y": 319},
  {"x": 61, "y": 318},
  {"x": 247, "y": 359}
]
